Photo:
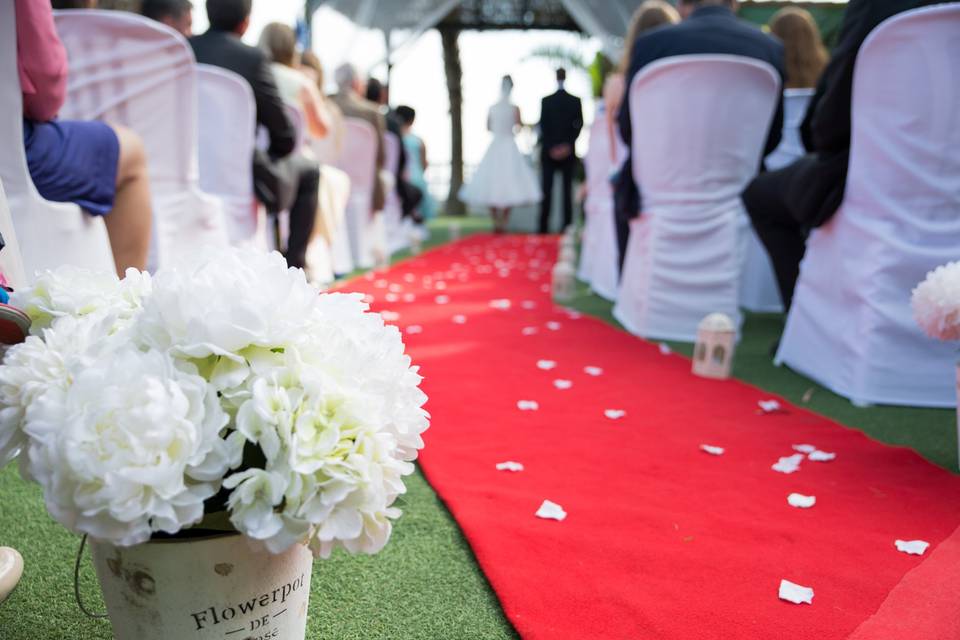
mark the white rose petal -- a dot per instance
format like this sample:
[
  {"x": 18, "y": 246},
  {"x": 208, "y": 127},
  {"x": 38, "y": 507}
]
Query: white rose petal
[
  {"x": 593, "y": 371},
  {"x": 768, "y": 406},
  {"x": 665, "y": 349},
  {"x": 502, "y": 304},
  {"x": 546, "y": 365},
  {"x": 528, "y": 405},
  {"x": 509, "y": 465},
  {"x": 788, "y": 464},
  {"x": 801, "y": 501},
  {"x": 551, "y": 511},
  {"x": 614, "y": 414},
  {"x": 528, "y": 304},
  {"x": 460, "y": 319},
  {"x": 804, "y": 448},
  {"x": 795, "y": 593},
  {"x": 529, "y": 331},
  {"x": 553, "y": 325},
  {"x": 442, "y": 299},
  {"x": 821, "y": 456},
  {"x": 562, "y": 384},
  {"x": 414, "y": 329},
  {"x": 712, "y": 450},
  {"x": 912, "y": 547}
]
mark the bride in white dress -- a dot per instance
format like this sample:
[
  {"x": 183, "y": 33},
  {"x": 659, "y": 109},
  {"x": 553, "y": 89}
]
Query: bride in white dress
[{"x": 504, "y": 178}]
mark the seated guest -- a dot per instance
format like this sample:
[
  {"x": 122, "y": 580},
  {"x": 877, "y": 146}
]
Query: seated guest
[
  {"x": 100, "y": 167},
  {"x": 709, "y": 27},
  {"x": 416, "y": 159},
  {"x": 281, "y": 181},
  {"x": 649, "y": 15},
  {"x": 410, "y": 195},
  {"x": 803, "y": 50},
  {"x": 176, "y": 14},
  {"x": 279, "y": 42},
  {"x": 350, "y": 99},
  {"x": 310, "y": 66},
  {"x": 785, "y": 205}
]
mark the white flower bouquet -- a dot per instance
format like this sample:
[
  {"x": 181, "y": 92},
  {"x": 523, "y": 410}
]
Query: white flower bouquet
[
  {"x": 936, "y": 302},
  {"x": 143, "y": 405}
]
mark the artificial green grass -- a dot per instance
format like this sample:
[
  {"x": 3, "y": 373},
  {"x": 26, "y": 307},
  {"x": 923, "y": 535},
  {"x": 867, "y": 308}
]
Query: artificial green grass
[{"x": 426, "y": 583}]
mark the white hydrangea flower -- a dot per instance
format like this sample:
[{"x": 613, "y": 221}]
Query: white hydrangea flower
[
  {"x": 136, "y": 400},
  {"x": 76, "y": 292},
  {"x": 47, "y": 365},
  {"x": 228, "y": 301},
  {"x": 936, "y": 302},
  {"x": 339, "y": 414},
  {"x": 130, "y": 447}
]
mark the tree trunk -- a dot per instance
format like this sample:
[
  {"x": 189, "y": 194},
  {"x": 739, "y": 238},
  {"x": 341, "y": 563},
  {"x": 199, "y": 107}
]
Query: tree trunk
[{"x": 454, "y": 73}]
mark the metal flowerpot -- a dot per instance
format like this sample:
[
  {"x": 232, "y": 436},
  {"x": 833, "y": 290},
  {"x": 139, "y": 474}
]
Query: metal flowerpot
[{"x": 204, "y": 588}]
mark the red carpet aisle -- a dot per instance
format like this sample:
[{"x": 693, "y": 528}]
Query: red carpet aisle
[{"x": 661, "y": 540}]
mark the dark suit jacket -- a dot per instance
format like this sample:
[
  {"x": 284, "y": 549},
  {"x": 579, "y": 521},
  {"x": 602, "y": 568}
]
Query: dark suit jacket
[
  {"x": 225, "y": 50},
  {"x": 710, "y": 29},
  {"x": 827, "y": 125},
  {"x": 814, "y": 186},
  {"x": 561, "y": 119}
]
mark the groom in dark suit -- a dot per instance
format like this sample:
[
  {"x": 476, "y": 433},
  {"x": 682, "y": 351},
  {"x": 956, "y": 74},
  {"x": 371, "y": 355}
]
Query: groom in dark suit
[{"x": 561, "y": 118}]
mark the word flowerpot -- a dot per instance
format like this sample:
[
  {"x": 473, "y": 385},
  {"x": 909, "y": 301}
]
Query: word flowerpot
[{"x": 204, "y": 588}]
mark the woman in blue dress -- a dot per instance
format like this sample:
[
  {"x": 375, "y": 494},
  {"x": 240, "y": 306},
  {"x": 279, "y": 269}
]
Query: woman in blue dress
[
  {"x": 416, "y": 160},
  {"x": 99, "y": 167}
]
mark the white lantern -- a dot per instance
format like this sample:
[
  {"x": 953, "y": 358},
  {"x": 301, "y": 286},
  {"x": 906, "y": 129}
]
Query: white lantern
[
  {"x": 713, "y": 352},
  {"x": 454, "y": 231},
  {"x": 568, "y": 253},
  {"x": 563, "y": 281}
]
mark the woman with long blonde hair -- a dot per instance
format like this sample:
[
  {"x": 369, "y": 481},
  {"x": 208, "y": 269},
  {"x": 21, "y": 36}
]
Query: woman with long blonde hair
[
  {"x": 649, "y": 15},
  {"x": 804, "y": 53}
]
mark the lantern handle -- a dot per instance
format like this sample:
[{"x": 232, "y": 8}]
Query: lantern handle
[{"x": 76, "y": 583}]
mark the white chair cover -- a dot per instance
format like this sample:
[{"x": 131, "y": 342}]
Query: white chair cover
[
  {"x": 591, "y": 161},
  {"x": 397, "y": 237},
  {"x": 758, "y": 288},
  {"x": 49, "y": 234},
  {"x": 11, "y": 262},
  {"x": 129, "y": 70},
  {"x": 227, "y": 123},
  {"x": 358, "y": 160},
  {"x": 700, "y": 123},
  {"x": 599, "y": 264},
  {"x": 850, "y": 326}
]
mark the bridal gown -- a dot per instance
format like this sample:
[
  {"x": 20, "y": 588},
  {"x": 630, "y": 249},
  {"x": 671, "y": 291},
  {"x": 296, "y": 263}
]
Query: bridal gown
[{"x": 504, "y": 177}]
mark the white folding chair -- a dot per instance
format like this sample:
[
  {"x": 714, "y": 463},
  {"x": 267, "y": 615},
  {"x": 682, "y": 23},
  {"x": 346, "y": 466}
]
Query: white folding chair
[
  {"x": 129, "y": 70},
  {"x": 850, "y": 326},
  {"x": 758, "y": 287},
  {"x": 227, "y": 123},
  {"x": 49, "y": 234},
  {"x": 358, "y": 160},
  {"x": 397, "y": 237},
  {"x": 599, "y": 265},
  {"x": 700, "y": 126}
]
